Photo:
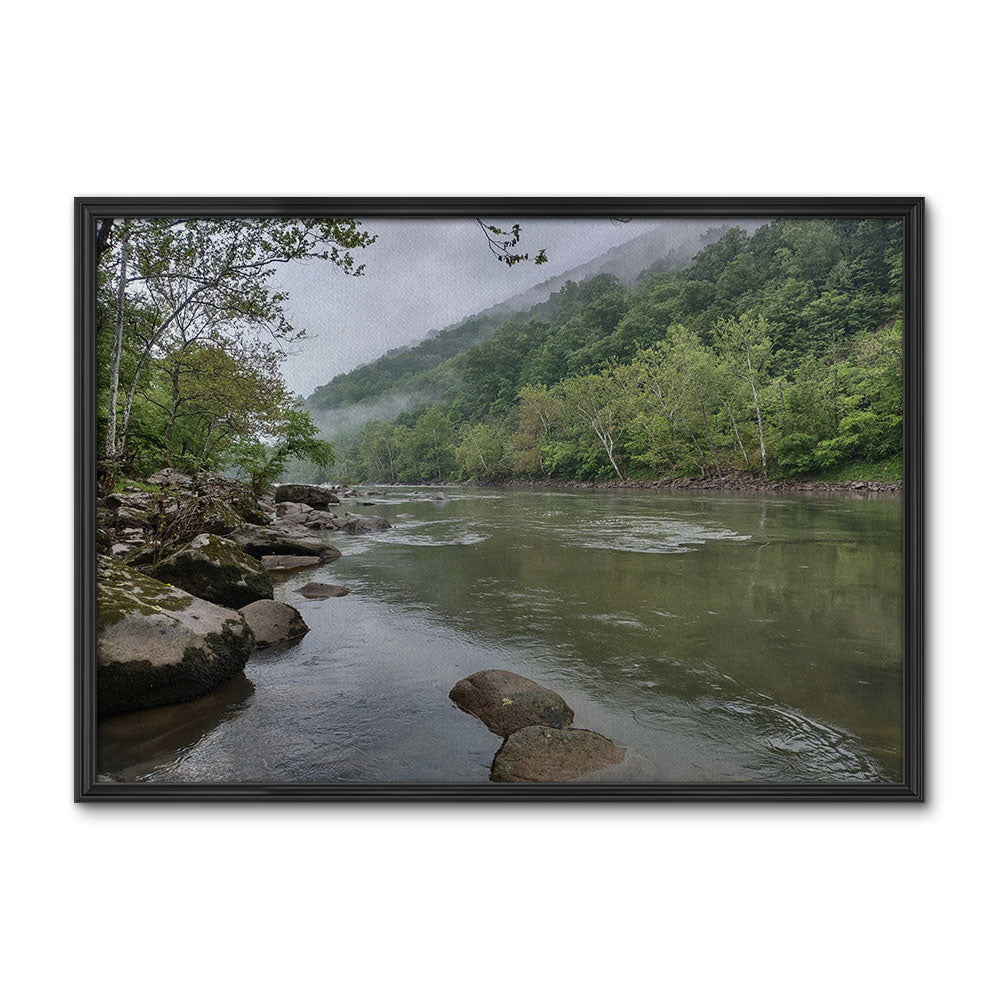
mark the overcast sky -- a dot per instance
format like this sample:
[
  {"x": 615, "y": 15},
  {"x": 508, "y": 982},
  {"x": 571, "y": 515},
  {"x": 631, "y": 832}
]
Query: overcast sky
[{"x": 422, "y": 275}]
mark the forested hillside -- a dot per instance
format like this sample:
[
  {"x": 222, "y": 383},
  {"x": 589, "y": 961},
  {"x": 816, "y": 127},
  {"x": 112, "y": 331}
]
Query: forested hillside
[
  {"x": 395, "y": 375},
  {"x": 777, "y": 353}
]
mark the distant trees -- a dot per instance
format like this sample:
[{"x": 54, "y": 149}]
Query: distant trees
[{"x": 777, "y": 354}]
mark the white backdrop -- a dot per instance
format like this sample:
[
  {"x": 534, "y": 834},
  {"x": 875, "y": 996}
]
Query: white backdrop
[{"x": 513, "y": 98}]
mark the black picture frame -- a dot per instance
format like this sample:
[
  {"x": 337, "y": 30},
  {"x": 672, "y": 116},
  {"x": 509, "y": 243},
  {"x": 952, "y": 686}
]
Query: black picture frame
[{"x": 88, "y": 210}]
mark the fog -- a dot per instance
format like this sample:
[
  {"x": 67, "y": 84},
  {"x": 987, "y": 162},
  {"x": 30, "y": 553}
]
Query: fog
[{"x": 426, "y": 274}]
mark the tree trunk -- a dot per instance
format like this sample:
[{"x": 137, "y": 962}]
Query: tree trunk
[
  {"x": 708, "y": 434},
  {"x": 760, "y": 428},
  {"x": 756, "y": 406},
  {"x": 739, "y": 440},
  {"x": 111, "y": 437}
]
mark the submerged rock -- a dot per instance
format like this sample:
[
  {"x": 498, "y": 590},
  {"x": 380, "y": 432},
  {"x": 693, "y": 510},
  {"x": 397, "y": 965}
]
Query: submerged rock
[
  {"x": 282, "y": 540},
  {"x": 157, "y": 645},
  {"x": 506, "y": 702},
  {"x": 541, "y": 753},
  {"x": 217, "y": 570},
  {"x": 318, "y": 497},
  {"x": 321, "y": 591},
  {"x": 285, "y": 564},
  {"x": 272, "y": 621}
]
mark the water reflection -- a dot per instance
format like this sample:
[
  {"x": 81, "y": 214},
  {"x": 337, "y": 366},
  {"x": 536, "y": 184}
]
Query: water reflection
[{"x": 133, "y": 745}]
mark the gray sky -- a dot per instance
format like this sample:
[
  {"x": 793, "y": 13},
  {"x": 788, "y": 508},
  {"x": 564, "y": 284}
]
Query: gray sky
[{"x": 422, "y": 275}]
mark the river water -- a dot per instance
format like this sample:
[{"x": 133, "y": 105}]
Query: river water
[{"x": 719, "y": 637}]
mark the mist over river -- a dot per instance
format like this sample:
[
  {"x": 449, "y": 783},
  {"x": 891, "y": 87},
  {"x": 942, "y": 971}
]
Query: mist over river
[{"x": 718, "y": 637}]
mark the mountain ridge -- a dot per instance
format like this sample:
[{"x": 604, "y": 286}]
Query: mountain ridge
[{"x": 650, "y": 251}]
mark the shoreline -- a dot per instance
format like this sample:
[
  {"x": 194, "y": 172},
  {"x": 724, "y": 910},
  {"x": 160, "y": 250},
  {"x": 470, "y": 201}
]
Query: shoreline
[{"x": 730, "y": 484}]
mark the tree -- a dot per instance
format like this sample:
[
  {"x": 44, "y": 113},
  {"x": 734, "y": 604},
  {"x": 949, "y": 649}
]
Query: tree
[
  {"x": 481, "y": 452},
  {"x": 208, "y": 396},
  {"x": 597, "y": 400},
  {"x": 433, "y": 443},
  {"x": 746, "y": 349},
  {"x": 538, "y": 413},
  {"x": 293, "y": 436},
  {"x": 205, "y": 279}
]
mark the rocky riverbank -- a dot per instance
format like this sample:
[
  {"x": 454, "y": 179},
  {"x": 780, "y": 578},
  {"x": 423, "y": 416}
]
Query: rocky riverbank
[
  {"x": 734, "y": 483},
  {"x": 186, "y": 573},
  {"x": 185, "y": 580}
]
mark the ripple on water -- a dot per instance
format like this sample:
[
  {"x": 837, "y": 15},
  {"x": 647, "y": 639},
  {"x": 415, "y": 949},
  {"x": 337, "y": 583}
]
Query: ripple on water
[{"x": 626, "y": 533}]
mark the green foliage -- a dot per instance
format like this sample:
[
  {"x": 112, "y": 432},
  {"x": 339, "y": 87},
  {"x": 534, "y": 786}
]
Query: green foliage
[
  {"x": 776, "y": 353},
  {"x": 191, "y": 330},
  {"x": 293, "y": 436}
]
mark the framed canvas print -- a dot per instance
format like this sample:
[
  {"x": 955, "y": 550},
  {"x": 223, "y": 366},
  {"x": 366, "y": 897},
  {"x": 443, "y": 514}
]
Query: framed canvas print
[{"x": 499, "y": 498}]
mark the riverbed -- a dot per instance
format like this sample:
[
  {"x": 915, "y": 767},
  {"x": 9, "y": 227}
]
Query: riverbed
[{"x": 719, "y": 637}]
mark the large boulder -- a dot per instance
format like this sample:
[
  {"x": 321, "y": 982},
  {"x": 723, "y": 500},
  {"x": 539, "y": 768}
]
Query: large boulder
[
  {"x": 541, "y": 753},
  {"x": 217, "y": 570},
  {"x": 506, "y": 702},
  {"x": 217, "y": 517},
  {"x": 272, "y": 621},
  {"x": 237, "y": 494},
  {"x": 318, "y": 497},
  {"x": 282, "y": 540},
  {"x": 157, "y": 645}
]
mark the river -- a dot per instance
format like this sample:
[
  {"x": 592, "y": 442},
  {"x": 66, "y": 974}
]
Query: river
[{"x": 720, "y": 637}]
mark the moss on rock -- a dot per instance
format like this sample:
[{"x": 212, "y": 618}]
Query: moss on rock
[
  {"x": 217, "y": 570},
  {"x": 157, "y": 644}
]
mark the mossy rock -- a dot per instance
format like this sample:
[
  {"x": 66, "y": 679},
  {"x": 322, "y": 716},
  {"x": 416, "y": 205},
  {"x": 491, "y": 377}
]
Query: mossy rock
[
  {"x": 157, "y": 645},
  {"x": 217, "y": 570},
  {"x": 217, "y": 516}
]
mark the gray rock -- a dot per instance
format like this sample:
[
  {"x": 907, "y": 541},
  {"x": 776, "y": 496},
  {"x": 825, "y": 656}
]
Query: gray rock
[
  {"x": 217, "y": 516},
  {"x": 320, "y": 519},
  {"x": 321, "y": 591},
  {"x": 286, "y": 564},
  {"x": 157, "y": 644},
  {"x": 360, "y": 524},
  {"x": 282, "y": 540},
  {"x": 131, "y": 517},
  {"x": 286, "y": 508},
  {"x": 272, "y": 621},
  {"x": 541, "y": 753},
  {"x": 136, "y": 500},
  {"x": 315, "y": 496},
  {"x": 506, "y": 702},
  {"x": 170, "y": 477},
  {"x": 217, "y": 570}
]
